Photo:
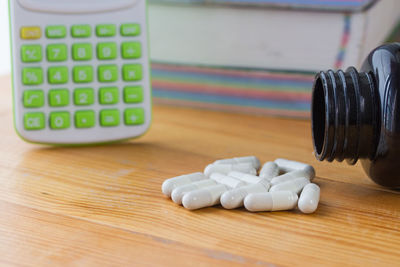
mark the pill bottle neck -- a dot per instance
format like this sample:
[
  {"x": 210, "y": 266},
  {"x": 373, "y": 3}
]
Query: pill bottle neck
[{"x": 345, "y": 115}]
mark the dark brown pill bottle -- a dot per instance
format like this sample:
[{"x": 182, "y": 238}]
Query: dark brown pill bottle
[{"x": 356, "y": 115}]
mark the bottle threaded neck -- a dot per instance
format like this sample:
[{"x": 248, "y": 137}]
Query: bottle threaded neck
[{"x": 345, "y": 115}]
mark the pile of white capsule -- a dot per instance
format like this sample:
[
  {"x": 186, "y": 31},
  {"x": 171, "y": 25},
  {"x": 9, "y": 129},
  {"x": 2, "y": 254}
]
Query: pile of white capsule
[{"x": 280, "y": 185}]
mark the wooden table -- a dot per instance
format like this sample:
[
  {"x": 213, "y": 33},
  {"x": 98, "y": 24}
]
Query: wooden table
[{"x": 103, "y": 205}]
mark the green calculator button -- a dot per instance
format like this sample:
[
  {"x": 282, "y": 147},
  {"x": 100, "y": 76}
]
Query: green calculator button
[
  {"x": 83, "y": 96},
  {"x": 108, "y": 73},
  {"x": 134, "y": 116},
  {"x": 81, "y": 31},
  {"x": 130, "y": 29},
  {"x": 59, "y": 97},
  {"x": 32, "y": 76},
  {"x": 85, "y": 119},
  {"x": 132, "y": 72},
  {"x": 109, "y": 117},
  {"x": 106, "y": 51},
  {"x": 31, "y": 53},
  {"x": 57, "y": 75},
  {"x": 56, "y": 52},
  {"x": 82, "y": 51},
  {"x": 59, "y": 120},
  {"x": 34, "y": 121},
  {"x": 33, "y": 98},
  {"x": 108, "y": 95},
  {"x": 56, "y": 31},
  {"x": 106, "y": 30},
  {"x": 83, "y": 74},
  {"x": 133, "y": 94},
  {"x": 131, "y": 50}
]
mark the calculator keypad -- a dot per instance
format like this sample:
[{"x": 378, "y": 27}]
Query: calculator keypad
[
  {"x": 32, "y": 76},
  {"x": 133, "y": 94},
  {"x": 109, "y": 117},
  {"x": 59, "y": 120},
  {"x": 31, "y": 33},
  {"x": 94, "y": 62},
  {"x": 106, "y": 30},
  {"x": 107, "y": 73},
  {"x": 34, "y": 121},
  {"x": 31, "y": 53},
  {"x": 134, "y": 116},
  {"x": 130, "y": 29},
  {"x": 132, "y": 72},
  {"x": 33, "y": 98},
  {"x": 57, "y": 75},
  {"x": 56, "y": 31},
  {"x": 83, "y": 74},
  {"x": 82, "y": 51},
  {"x": 84, "y": 96},
  {"x": 59, "y": 97},
  {"x": 81, "y": 31},
  {"x": 56, "y": 52},
  {"x": 106, "y": 51},
  {"x": 131, "y": 50},
  {"x": 85, "y": 119}
]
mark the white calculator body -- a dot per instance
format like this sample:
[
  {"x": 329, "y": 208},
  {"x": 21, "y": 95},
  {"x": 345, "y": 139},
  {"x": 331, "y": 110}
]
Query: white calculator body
[{"x": 80, "y": 70}]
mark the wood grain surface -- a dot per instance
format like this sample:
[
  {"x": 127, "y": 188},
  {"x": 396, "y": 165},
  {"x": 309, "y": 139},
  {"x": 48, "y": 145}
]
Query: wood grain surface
[{"x": 102, "y": 205}]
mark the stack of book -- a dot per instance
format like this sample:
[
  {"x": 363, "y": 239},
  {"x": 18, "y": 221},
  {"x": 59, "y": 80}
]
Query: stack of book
[{"x": 259, "y": 56}]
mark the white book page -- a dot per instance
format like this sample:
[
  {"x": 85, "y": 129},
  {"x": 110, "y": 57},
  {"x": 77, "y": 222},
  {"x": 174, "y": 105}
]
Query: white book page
[{"x": 244, "y": 37}]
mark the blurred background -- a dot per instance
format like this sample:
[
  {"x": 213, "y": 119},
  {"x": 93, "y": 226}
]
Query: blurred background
[
  {"x": 259, "y": 56},
  {"x": 252, "y": 56}
]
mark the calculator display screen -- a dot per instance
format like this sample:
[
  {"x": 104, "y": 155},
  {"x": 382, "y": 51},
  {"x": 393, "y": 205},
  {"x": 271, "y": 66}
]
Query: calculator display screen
[{"x": 76, "y": 6}]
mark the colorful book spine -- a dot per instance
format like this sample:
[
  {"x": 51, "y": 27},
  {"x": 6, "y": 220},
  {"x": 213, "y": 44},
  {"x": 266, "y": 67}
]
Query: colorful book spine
[
  {"x": 262, "y": 92},
  {"x": 255, "y": 91}
]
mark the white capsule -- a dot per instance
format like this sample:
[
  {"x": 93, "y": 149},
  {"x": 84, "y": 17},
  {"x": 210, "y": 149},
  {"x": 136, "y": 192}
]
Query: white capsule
[
  {"x": 226, "y": 168},
  {"x": 226, "y": 180},
  {"x": 292, "y": 175},
  {"x": 271, "y": 201},
  {"x": 249, "y": 159},
  {"x": 291, "y": 165},
  {"x": 205, "y": 197},
  {"x": 178, "y": 193},
  {"x": 245, "y": 177},
  {"x": 234, "y": 198},
  {"x": 295, "y": 185},
  {"x": 309, "y": 198},
  {"x": 172, "y": 183},
  {"x": 269, "y": 170}
]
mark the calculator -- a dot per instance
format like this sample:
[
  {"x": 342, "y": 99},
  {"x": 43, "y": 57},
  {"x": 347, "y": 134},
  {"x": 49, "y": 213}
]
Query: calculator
[{"x": 80, "y": 70}]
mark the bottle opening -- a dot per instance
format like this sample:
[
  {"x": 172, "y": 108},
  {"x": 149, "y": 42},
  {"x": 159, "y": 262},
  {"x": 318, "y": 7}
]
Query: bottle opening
[
  {"x": 344, "y": 113},
  {"x": 318, "y": 116}
]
